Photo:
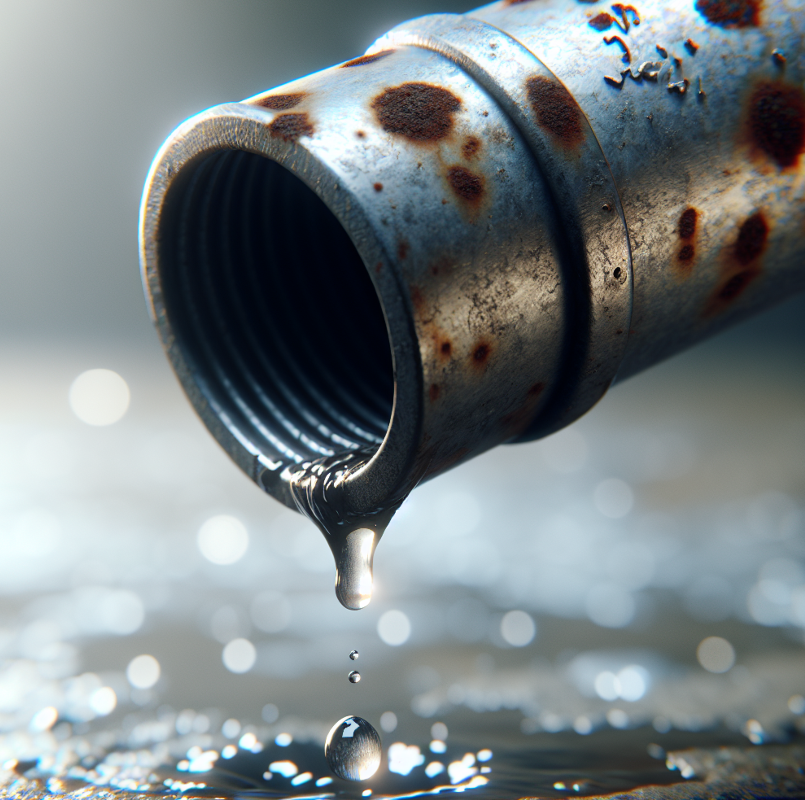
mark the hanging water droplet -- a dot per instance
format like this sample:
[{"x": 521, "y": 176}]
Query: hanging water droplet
[
  {"x": 353, "y": 569},
  {"x": 354, "y": 655},
  {"x": 354, "y": 676},
  {"x": 353, "y": 749}
]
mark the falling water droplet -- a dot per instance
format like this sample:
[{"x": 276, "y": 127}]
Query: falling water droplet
[
  {"x": 354, "y": 676},
  {"x": 353, "y": 749},
  {"x": 354, "y": 655}
]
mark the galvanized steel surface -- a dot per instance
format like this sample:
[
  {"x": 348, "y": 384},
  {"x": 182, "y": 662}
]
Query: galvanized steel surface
[{"x": 545, "y": 194}]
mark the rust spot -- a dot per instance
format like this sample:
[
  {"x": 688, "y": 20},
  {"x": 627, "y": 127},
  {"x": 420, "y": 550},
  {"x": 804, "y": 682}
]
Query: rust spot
[
  {"x": 623, "y": 11},
  {"x": 467, "y": 185},
  {"x": 371, "y": 58},
  {"x": 417, "y": 299},
  {"x": 687, "y": 223},
  {"x": 470, "y": 147},
  {"x": 742, "y": 263},
  {"x": 378, "y": 187},
  {"x": 556, "y": 110},
  {"x": 281, "y": 102},
  {"x": 692, "y": 46},
  {"x": 661, "y": 50},
  {"x": 418, "y": 111},
  {"x": 517, "y": 2},
  {"x": 736, "y": 284},
  {"x": 444, "y": 265},
  {"x": 627, "y": 54},
  {"x": 686, "y": 229},
  {"x": 752, "y": 238},
  {"x": 378, "y": 266},
  {"x": 481, "y": 353},
  {"x": 360, "y": 134},
  {"x": 515, "y": 422},
  {"x": 687, "y": 253},
  {"x": 602, "y": 21},
  {"x": 730, "y": 13},
  {"x": 434, "y": 392},
  {"x": 291, "y": 126},
  {"x": 446, "y": 348},
  {"x": 402, "y": 249},
  {"x": 776, "y": 121}
]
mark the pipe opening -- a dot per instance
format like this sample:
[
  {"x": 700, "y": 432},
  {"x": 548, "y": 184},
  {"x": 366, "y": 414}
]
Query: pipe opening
[{"x": 273, "y": 309}]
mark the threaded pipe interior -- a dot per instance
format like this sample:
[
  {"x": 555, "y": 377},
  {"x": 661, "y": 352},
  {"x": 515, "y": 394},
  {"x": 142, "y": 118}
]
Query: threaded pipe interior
[{"x": 274, "y": 310}]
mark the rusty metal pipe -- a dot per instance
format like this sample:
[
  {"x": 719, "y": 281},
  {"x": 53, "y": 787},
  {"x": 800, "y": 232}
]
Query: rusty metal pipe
[{"x": 463, "y": 237}]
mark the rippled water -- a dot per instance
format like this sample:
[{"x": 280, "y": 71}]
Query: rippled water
[{"x": 166, "y": 628}]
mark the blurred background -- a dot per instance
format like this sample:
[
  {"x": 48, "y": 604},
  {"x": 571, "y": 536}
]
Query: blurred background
[{"x": 641, "y": 574}]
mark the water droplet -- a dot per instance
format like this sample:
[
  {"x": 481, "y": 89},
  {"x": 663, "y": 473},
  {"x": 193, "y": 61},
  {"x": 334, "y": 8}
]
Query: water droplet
[
  {"x": 354, "y": 676},
  {"x": 353, "y": 749},
  {"x": 354, "y": 655},
  {"x": 353, "y": 570},
  {"x": 319, "y": 491}
]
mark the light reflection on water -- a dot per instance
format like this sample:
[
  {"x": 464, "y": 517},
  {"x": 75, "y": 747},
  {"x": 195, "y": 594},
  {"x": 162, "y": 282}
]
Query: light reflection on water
[{"x": 164, "y": 625}]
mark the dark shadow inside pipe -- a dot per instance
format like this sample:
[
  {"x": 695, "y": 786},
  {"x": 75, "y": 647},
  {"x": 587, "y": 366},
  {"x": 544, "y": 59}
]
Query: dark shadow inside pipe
[{"x": 273, "y": 309}]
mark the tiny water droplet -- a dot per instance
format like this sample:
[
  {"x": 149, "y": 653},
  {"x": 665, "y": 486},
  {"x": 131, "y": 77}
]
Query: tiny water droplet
[
  {"x": 353, "y": 749},
  {"x": 354, "y": 655},
  {"x": 354, "y": 676}
]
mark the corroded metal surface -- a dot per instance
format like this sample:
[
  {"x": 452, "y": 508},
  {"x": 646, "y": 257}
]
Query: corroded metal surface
[{"x": 544, "y": 194}]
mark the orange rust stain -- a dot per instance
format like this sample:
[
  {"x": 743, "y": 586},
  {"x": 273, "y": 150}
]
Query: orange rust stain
[
  {"x": 555, "y": 109},
  {"x": 730, "y": 13},
  {"x": 471, "y": 147},
  {"x": 442, "y": 266},
  {"x": 420, "y": 112},
  {"x": 466, "y": 185},
  {"x": 360, "y": 134},
  {"x": 515, "y": 422},
  {"x": 378, "y": 187},
  {"x": 602, "y": 21},
  {"x": 742, "y": 263},
  {"x": 480, "y": 354},
  {"x": 402, "y": 249},
  {"x": 776, "y": 121},
  {"x": 281, "y": 102},
  {"x": 417, "y": 299},
  {"x": 370, "y": 59},
  {"x": 627, "y": 54},
  {"x": 291, "y": 127},
  {"x": 433, "y": 392},
  {"x": 686, "y": 228}
]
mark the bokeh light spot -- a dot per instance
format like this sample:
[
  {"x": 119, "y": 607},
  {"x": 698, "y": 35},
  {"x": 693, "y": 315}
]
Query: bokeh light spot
[
  {"x": 239, "y": 656},
  {"x": 715, "y": 654},
  {"x": 99, "y": 397},
  {"x": 517, "y": 628},
  {"x": 223, "y": 539},
  {"x": 143, "y": 671},
  {"x": 394, "y": 628}
]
